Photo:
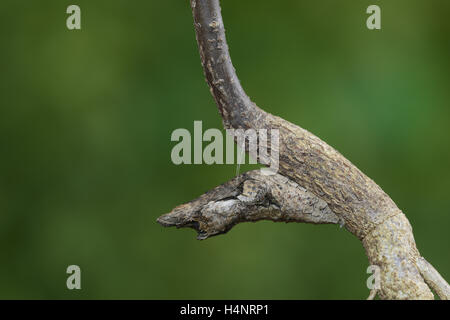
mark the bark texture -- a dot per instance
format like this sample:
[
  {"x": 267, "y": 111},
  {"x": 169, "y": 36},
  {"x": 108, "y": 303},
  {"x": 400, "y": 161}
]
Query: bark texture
[
  {"x": 315, "y": 183},
  {"x": 250, "y": 197}
]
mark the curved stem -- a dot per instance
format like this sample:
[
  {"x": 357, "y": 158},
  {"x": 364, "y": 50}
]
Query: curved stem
[
  {"x": 307, "y": 164},
  {"x": 234, "y": 105}
]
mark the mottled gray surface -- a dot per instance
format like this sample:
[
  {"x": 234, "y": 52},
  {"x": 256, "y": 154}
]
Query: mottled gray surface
[{"x": 336, "y": 191}]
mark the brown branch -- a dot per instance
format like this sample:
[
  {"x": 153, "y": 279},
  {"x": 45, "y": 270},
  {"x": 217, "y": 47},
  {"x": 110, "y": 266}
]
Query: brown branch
[
  {"x": 305, "y": 160},
  {"x": 234, "y": 105},
  {"x": 249, "y": 197}
]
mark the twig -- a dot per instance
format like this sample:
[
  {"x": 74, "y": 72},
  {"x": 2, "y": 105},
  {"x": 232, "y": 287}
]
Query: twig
[
  {"x": 310, "y": 170},
  {"x": 251, "y": 196}
]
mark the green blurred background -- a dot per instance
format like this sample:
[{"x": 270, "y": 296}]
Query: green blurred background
[{"x": 85, "y": 124}]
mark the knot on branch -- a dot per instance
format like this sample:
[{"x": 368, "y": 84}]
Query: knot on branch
[{"x": 248, "y": 198}]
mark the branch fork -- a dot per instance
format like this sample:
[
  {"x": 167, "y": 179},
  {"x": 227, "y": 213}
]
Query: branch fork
[{"x": 314, "y": 184}]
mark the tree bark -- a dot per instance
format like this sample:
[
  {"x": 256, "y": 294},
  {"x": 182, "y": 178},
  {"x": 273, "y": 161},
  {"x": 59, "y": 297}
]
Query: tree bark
[{"x": 315, "y": 183}]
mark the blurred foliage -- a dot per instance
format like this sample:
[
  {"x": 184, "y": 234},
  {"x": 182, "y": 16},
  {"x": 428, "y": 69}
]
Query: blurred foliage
[{"x": 85, "y": 124}]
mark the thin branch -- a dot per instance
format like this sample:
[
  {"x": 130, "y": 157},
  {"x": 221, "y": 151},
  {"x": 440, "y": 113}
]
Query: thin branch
[
  {"x": 373, "y": 294},
  {"x": 249, "y": 197},
  {"x": 304, "y": 158},
  {"x": 309, "y": 170},
  {"x": 434, "y": 279},
  {"x": 234, "y": 105}
]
